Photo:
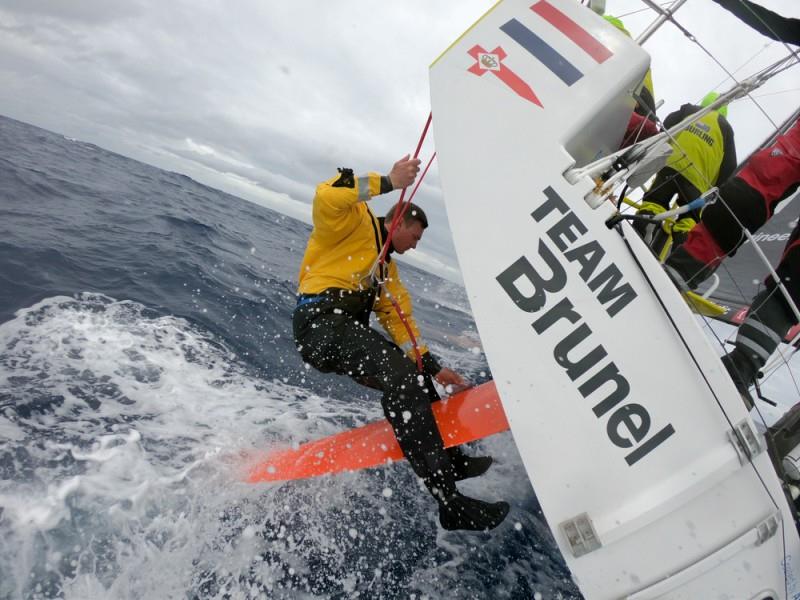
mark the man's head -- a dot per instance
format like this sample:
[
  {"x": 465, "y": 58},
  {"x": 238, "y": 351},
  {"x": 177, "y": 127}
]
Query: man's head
[
  {"x": 617, "y": 23},
  {"x": 409, "y": 230}
]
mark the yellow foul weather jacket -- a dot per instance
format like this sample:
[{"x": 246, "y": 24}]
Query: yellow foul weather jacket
[
  {"x": 704, "y": 153},
  {"x": 344, "y": 246}
]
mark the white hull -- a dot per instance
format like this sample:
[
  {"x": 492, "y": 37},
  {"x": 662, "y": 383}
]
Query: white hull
[{"x": 601, "y": 367}]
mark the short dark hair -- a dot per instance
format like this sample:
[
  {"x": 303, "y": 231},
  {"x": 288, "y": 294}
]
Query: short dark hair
[{"x": 413, "y": 213}]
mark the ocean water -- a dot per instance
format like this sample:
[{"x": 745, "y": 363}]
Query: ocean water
[{"x": 146, "y": 352}]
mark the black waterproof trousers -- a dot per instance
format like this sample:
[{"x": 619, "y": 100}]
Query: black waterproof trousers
[{"x": 332, "y": 333}]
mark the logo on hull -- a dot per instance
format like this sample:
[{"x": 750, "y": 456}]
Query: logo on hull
[
  {"x": 587, "y": 363},
  {"x": 540, "y": 50}
]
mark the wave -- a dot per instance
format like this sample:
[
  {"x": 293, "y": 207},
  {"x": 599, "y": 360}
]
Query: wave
[{"x": 128, "y": 414}]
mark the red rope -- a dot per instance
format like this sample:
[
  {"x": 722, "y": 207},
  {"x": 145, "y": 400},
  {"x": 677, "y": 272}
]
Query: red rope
[
  {"x": 424, "y": 133},
  {"x": 404, "y": 321},
  {"x": 399, "y": 213}
]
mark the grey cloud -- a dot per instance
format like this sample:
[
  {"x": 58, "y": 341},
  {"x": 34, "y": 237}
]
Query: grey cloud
[
  {"x": 82, "y": 11},
  {"x": 283, "y": 92},
  {"x": 278, "y": 182}
]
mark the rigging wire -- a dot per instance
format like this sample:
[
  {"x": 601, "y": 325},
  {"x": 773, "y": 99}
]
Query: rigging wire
[
  {"x": 668, "y": 15},
  {"x": 641, "y": 10},
  {"x": 745, "y": 63},
  {"x": 636, "y": 153},
  {"x": 778, "y": 92}
]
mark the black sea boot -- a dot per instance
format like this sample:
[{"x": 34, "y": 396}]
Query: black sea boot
[
  {"x": 457, "y": 511},
  {"x": 422, "y": 445},
  {"x": 465, "y": 466},
  {"x": 685, "y": 270},
  {"x": 461, "y": 512},
  {"x": 767, "y": 322},
  {"x": 743, "y": 371}
]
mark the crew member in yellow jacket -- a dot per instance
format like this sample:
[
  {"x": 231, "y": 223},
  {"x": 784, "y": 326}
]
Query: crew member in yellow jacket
[
  {"x": 703, "y": 155},
  {"x": 341, "y": 284}
]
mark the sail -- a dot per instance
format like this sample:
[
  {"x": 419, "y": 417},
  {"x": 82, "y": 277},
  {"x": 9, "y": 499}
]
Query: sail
[{"x": 645, "y": 461}]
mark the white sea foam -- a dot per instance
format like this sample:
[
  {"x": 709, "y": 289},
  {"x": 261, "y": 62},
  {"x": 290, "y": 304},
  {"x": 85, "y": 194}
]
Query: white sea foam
[
  {"x": 130, "y": 433},
  {"x": 146, "y": 441}
]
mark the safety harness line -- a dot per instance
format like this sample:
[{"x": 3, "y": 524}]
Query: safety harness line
[{"x": 400, "y": 210}]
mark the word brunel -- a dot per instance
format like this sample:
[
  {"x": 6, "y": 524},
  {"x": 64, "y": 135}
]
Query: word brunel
[{"x": 628, "y": 424}]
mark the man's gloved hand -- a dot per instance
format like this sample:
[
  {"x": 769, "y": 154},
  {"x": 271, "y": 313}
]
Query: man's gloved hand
[{"x": 447, "y": 377}]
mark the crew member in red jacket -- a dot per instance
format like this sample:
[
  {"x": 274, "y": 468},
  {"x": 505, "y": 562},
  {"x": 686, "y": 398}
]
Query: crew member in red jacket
[{"x": 768, "y": 177}]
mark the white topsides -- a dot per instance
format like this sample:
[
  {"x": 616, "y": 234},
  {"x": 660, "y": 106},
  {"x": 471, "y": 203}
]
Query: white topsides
[{"x": 621, "y": 410}]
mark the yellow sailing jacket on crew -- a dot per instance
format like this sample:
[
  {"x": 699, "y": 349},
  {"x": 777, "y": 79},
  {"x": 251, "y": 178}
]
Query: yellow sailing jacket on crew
[
  {"x": 344, "y": 245},
  {"x": 704, "y": 153}
]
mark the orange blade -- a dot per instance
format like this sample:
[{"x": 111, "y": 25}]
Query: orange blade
[{"x": 464, "y": 417}]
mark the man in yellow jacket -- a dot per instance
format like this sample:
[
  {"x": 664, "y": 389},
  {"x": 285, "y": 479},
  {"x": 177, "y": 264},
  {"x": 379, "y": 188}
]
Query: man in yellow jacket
[
  {"x": 703, "y": 155},
  {"x": 341, "y": 284}
]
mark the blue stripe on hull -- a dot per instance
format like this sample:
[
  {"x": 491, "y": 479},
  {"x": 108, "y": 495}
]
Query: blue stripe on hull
[{"x": 545, "y": 53}]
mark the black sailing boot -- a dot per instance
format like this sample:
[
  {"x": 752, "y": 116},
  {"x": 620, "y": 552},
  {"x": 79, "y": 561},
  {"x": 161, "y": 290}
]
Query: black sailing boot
[
  {"x": 685, "y": 270},
  {"x": 422, "y": 445},
  {"x": 768, "y": 320},
  {"x": 465, "y": 466},
  {"x": 743, "y": 371},
  {"x": 457, "y": 511},
  {"x": 461, "y": 512}
]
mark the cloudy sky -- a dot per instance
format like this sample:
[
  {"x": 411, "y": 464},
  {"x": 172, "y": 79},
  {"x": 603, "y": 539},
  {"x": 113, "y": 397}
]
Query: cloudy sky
[{"x": 264, "y": 99}]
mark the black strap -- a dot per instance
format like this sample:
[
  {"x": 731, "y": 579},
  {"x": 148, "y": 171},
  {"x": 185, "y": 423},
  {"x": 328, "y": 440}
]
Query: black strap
[{"x": 378, "y": 245}]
